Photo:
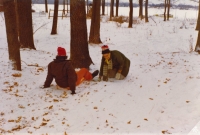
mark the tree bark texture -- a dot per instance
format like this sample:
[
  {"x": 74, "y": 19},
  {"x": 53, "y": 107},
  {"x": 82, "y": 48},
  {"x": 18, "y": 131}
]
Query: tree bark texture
[
  {"x": 12, "y": 36},
  {"x": 165, "y": 10},
  {"x": 141, "y": 9},
  {"x": 146, "y": 11},
  {"x": 197, "y": 48},
  {"x": 111, "y": 9},
  {"x": 95, "y": 23},
  {"x": 168, "y": 9},
  {"x": 64, "y": 6},
  {"x": 55, "y": 18},
  {"x": 130, "y": 14},
  {"x": 25, "y": 24},
  {"x": 117, "y": 7},
  {"x": 46, "y": 6},
  {"x": 79, "y": 52},
  {"x": 103, "y": 7}
]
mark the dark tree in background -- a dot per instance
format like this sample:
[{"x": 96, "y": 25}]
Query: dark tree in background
[
  {"x": 46, "y": 6},
  {"x": 103, "y": 7},
  {"x": 95, "y": 23},
  {"x": 79, "y": 52},
  {"x": 197, "y": 48},
  {"x": 25, "y": 24},
  {"x": 117, "y": 7},
  {"x": 12, "y": 36},
  {"x": 130, "y": 14},
  {"x": 141, "y": 9},
  {"x": 64, "y": 6},
  {"x": 146, "y": 11},
  {"x": 111, "y": 9},
  {"x": 165, "y": 10},
  {"x": 55, "y": 18},
  {"x": 87, "y": 8},
  {"x": 168, "y": 9}
]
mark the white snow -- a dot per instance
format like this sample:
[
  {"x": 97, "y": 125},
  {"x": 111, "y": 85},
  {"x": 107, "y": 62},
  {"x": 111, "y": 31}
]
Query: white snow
[{"x": 159, "y": 96}]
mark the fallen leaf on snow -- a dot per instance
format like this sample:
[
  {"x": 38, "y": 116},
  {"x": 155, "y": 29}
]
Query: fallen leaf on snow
[
  {"x": 129, "y": 122},
  {"x": 146, "y": 119},
  {"x": 187, "y": 101},
  {"x": 165, "y": 132},
  {"x": 17, "y": 75}
]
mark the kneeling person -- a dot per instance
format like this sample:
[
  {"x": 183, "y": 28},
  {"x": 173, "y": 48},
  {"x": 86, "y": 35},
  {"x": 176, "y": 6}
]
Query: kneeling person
[{"x": 114, "y": 64}]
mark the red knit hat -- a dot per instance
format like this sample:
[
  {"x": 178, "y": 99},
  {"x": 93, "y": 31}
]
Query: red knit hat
[
  {"x": 105, "y": 49},
  {"x": 61, "y": 51}
]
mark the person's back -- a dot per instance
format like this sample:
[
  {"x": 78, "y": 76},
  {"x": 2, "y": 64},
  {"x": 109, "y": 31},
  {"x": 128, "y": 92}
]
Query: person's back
[{"x": 62, "y": 71}]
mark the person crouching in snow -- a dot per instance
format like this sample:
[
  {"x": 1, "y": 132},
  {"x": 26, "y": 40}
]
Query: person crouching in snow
[
  {"x": 114, "y": 64},
  {"x": 64, "y": 74}
]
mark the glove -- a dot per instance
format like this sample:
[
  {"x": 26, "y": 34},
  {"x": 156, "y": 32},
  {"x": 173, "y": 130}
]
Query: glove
[
  {"x": 73, "y": 92},
  {"x": 117, "y": 76},
  {"x": 43, "y": 87}
]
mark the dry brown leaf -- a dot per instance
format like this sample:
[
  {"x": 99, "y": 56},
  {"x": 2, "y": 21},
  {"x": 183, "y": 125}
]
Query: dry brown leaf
[
  {"x": 138, "y": 126},
  {"x": 187, "y": 101},
  {"x": 21, "y": 106},
  {"x": 95, "y": 107},
  {"x": 146, "y": 119},
  {"x": 50, "y": 107},
  {"x": 65, "y": 133},
  {"x": 16, "y": 128},
  {"x": 55, "y": 100},
  {"x": 17, "y": 75},
  {"x": 165, "y": 132},
  {"x": 16, "y": 84},
  {"x": 43, "y": 124},
  {"x": 129, "y": 122},
  {"x": 106, "y": 121},
  {"x": 151, "y": 98},
  {"x": 11, "y": 120},
  {"x": 45, "y": 114}
]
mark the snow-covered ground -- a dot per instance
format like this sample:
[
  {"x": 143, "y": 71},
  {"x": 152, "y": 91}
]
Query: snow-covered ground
[{"x": 159, "y": 96}]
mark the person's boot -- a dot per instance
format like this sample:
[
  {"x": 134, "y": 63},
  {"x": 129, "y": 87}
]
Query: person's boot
[{"x": 95, "y": 73}]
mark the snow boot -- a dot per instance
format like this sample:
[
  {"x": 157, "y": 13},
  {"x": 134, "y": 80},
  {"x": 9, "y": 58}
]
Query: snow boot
[{"x": 95, "y": 73}]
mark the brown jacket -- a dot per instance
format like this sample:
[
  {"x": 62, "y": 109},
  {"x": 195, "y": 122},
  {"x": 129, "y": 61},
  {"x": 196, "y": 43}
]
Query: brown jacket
[{"x": 63, "y": 72}]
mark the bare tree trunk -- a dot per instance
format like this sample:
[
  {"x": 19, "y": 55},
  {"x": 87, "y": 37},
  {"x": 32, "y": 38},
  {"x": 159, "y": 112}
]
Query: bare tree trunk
[
  {"x": 141, "y": 9},
  {"x": 79, "y": 53},
  {"x": 87, "y": 8},
  {"x": 67, "y": 6},
  {"x": 103, "y": 7},
  {"x": 111, "y": 9},
  {"x": 25, "y": 23},
  {"x": 55, "y": 18},
  {"x": 117, "y": 6},
  {"x": 64, "y": 6},
  {"x": 197, "y": 48},
  {"x": 130, "y": 14},
  {"x": 146, "y": 11},
  {"x": 168, "y": 9},
  {"x": 46, "y": 6},
  {"x": 165, "y": 10},
  {"x": 12, "y": 37},
  {"x": 95, "y": 23}
]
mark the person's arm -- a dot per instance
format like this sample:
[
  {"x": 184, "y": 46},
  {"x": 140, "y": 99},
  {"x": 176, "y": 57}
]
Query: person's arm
[
  {"x": 72, "y": 78},
  {"x": 49, "y": 77}
]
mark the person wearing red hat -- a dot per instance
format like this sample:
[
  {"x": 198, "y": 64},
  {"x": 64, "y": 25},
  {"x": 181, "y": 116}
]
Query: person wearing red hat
[
  {"x": 114, "y": 64},
  {"x": 64, "y": 74}
]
